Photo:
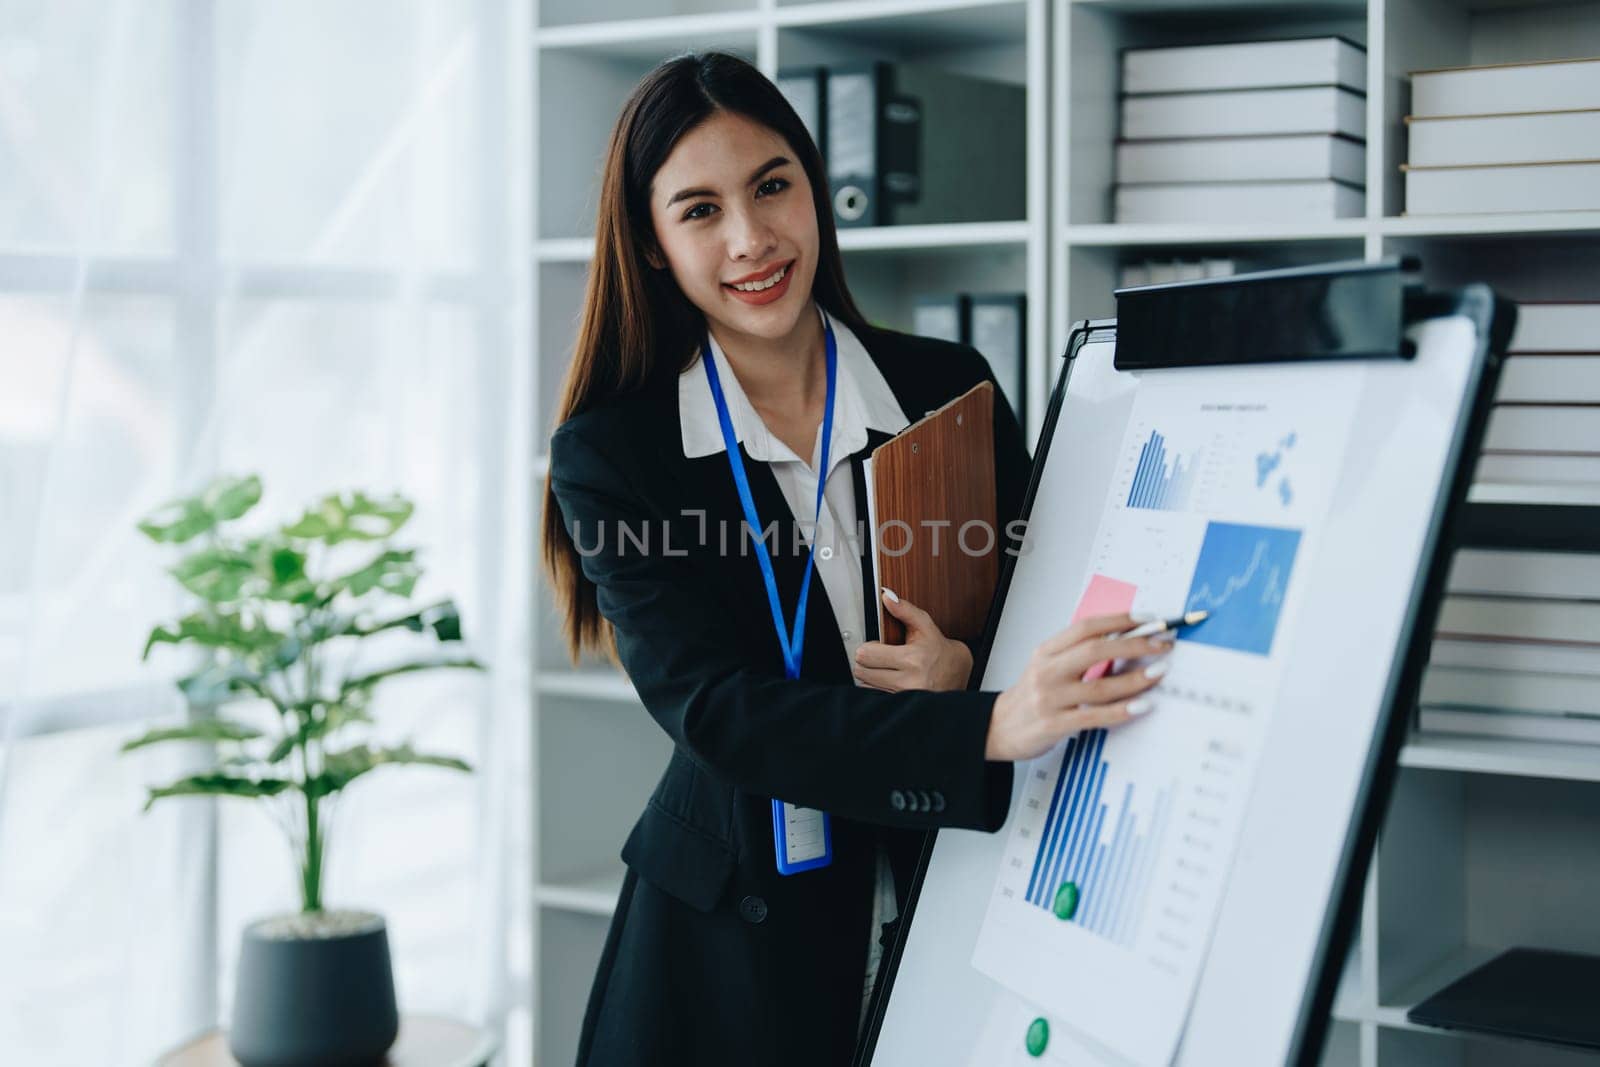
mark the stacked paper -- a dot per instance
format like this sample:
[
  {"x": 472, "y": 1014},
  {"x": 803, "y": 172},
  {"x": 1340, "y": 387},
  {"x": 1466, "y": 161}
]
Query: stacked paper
[
  {"x": 1161, "y": 271},
  {"x": 1517, "y": 648},
  {"x": 1544, "y": 430},
  {"x": 1512, "y": 137},
  {"x": 1263, "y": 131}
]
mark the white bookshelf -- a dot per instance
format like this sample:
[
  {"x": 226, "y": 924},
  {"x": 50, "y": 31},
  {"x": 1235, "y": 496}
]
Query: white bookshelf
[{"x": 1444, "y": 891}]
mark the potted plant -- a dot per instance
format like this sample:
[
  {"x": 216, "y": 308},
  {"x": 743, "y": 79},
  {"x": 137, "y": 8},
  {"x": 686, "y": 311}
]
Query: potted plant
[{"x": 275, "y": 612}]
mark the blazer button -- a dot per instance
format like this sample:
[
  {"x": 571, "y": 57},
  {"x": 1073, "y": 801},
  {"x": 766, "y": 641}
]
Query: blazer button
[
  {"x": 938, "y": 800},
  {"x": 924, "y": 804},
  {"x": 753, "y": 910},
  {"x": 897, "y": 799}
]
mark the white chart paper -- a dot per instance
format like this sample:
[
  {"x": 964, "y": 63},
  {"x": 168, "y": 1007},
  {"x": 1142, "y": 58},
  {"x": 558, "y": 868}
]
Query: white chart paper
[{"x": 1120, "y": 848}]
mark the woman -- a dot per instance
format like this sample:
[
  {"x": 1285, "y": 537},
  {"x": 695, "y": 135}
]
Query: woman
[{"x": 718, "y": 347}]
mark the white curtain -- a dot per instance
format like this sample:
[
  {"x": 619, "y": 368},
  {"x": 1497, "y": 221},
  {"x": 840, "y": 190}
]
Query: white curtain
[{"x": 282, "y": 237}]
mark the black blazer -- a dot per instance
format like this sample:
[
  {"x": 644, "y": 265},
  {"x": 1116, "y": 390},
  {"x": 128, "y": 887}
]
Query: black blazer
[{"x": 712, "y": 956}]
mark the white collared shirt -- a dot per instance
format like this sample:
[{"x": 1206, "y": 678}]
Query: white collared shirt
[{"x": 861, "y": 400}]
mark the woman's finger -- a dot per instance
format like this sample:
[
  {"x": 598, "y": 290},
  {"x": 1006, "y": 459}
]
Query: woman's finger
[
  {"x": 1079, "y": 658},
  {"x": 914, "y": 617},
  {"x": 879, "y": 654},
  {"x": 1083, "y": 629},
  {"x": 1104, "y": 716},
  {"x": 879, "y": 678},
  {"x": 1124, "y": 686}
]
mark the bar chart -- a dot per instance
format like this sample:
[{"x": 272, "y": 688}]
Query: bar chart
[
  {"x": 1163, "y": 479},
  {"x": 1095, "y": 861}
]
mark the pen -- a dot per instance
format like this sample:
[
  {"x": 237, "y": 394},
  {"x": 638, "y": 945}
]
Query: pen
[{"x": 1158, "y": 626}]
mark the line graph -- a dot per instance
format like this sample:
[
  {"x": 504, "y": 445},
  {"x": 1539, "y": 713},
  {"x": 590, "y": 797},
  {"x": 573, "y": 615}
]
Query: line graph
[{"x": 1241, "y": 578}]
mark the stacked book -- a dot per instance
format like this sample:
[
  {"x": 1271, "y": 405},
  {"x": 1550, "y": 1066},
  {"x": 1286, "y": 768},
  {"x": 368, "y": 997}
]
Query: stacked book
[
  {"x": 1515, "y": 137},
  {"x": 1264, "y": 131},
  {"x": 1517, "y": 649},
  {"x": 1545, "y": 426},
  {"x": 1161, "y": 271}
]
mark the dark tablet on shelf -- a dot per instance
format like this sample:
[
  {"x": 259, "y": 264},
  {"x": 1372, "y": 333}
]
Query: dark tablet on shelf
[{"x": 1524, "y": 993}]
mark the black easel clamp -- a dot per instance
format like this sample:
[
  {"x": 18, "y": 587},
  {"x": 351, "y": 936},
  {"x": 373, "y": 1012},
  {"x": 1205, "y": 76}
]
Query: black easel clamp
[{"x": 1330, "y": 311}]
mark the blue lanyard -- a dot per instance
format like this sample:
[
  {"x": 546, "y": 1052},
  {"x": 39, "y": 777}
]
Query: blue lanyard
[{"x": 793, "y": 646}]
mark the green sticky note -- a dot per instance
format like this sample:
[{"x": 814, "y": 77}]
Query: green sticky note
[
  {"x": 1066, "y": 905},
  {"x": 1038, "y": 1037}
]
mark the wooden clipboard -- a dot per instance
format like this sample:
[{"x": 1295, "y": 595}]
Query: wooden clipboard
[{"x": 931, "y": 505}]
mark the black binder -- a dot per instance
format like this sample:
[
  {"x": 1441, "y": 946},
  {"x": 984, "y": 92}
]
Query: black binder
[
  {"x": 945, "y": 316},
  {"x": 996, "y": 324},
  {"x": 912, "y": 143},
  {"x": 872, "y": 144},
  {"x": 806, "y": 90},
  {"x": 998, "y": 328}
]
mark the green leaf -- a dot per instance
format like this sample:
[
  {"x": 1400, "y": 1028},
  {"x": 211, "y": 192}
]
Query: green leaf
[
  {"x": 229, "y": 498},
  {"x": 218, "y": 574},
  {"x": 215, "y": 783},
  {"x": 392, "y": 571},
  {"x": 334, "y": 716},
  {"x": 340, "y": 715},
  {"x": 183, "y": 519},
  {"x": 367, "y": 681},
  {"x": 201, "y": 730},
  {"x": 442, "y": 618},
  {"x": 217, "y": 629},
  {"x": 260, "y": 567},
  {"x": 354, "y": 516},
  {"x": 283, "y": 569},
  {"x": 215, "y": 683},
  {"x": 341, "y": 768}
]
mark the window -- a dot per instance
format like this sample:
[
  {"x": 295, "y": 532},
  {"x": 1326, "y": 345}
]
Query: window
[{"x": 254, "y": 236}]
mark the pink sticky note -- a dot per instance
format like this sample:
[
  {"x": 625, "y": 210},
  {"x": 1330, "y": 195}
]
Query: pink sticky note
[{"x": 1105, "y": 596}]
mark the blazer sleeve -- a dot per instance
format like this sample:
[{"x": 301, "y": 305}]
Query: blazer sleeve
[{"x": 855, "y": 752}]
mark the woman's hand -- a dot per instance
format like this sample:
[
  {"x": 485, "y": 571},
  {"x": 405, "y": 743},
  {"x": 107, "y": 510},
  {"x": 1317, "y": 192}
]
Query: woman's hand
[
  {"x": 928, "y": 659},
  {"x": 1051, "y": 700}
]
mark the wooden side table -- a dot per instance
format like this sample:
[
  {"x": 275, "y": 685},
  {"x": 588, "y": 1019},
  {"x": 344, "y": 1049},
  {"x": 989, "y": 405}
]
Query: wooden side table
[{"x": 424, "y": 1041}]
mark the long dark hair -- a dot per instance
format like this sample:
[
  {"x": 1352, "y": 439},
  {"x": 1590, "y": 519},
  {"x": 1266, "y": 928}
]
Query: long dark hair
[{"x": 637, "y": 326}]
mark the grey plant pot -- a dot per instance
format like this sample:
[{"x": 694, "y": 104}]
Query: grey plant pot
[{"x": 314, "y": 990}]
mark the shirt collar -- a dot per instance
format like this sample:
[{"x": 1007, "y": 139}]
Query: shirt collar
[{"x": 862, "y": 400}]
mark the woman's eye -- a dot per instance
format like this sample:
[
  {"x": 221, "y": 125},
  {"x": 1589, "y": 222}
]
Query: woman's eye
[
  {"x": 771, "y": 186},
  {"x": 700, "y": 211}
]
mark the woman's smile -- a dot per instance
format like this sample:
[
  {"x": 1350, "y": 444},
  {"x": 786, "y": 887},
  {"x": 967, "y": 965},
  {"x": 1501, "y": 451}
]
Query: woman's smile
[{"x": 762, "y": 287}]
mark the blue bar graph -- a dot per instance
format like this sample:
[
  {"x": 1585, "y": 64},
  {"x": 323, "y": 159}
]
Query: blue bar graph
[
  {"x": 1111, "y": 871},
  {"x": 1161, "y": 481}
]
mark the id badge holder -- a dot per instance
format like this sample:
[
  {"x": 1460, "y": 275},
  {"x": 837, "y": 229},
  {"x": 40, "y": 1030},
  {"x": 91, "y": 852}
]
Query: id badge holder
[{"x": 801, "y": 837}]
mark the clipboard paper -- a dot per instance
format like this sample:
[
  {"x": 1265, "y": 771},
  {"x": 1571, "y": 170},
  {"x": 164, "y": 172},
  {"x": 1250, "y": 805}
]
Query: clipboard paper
[{"x": 931, "y": 504}]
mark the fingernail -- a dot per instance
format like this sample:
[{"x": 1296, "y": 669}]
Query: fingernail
[
  {"x": 1156, "y": 670},
  {"x": 1140, "y": 706},
  {"x": 891, "y": 594},
  {"x": 1165, "y": 635}
]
